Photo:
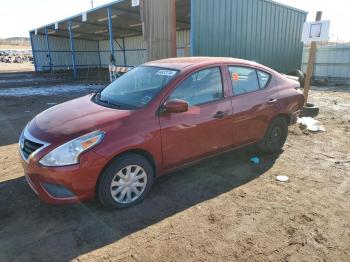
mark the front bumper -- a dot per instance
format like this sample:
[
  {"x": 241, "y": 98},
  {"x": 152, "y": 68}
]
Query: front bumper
[{"x": 64, "y": 185}]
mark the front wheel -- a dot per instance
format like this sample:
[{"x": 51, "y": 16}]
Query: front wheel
[
  {"x": 125, "y": 182},
  {"x": 275, "y": 136}
]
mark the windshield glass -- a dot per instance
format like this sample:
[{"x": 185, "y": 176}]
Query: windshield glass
[{"x": 136, "y": 88}]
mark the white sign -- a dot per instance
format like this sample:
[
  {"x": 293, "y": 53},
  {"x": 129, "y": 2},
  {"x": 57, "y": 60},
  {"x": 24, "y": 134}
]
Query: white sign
[
  {"x": 315, "y": 31},
  {"x": 135, "y": 3},
  {"x": 166, "y": 73},
  {"x": 84, "y": 17},
  {"x": 56, "y": 25}
]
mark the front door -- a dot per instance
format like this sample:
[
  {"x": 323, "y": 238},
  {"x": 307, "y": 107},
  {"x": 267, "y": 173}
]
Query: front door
[{"x": 205, "y": 128}]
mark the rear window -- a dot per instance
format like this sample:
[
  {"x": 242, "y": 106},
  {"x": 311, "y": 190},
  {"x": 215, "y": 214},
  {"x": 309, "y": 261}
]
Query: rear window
[{"x": 264, "y": 78}]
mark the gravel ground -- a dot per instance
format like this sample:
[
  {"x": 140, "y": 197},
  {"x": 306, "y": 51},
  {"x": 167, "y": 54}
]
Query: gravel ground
[{"x": 222, "y": 209}]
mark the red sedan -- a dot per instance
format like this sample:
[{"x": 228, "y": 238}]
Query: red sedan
[{"x": 156, "y": 118}]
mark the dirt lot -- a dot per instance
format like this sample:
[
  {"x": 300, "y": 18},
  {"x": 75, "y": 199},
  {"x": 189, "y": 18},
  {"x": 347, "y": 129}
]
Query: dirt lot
[
  {"x": 222, "y": 209},
  {"x": 24, "y": 67},
  {"x": 16, "y": 47}
]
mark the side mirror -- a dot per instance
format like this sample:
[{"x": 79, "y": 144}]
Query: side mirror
[{"x": 175, "y": 106}]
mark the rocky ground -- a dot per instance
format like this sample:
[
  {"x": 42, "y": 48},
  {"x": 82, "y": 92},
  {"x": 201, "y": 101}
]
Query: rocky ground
[{"x": 222, "y": 209}]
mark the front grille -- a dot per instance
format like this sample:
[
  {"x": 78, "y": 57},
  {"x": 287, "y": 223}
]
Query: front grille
[{"x": 29, "y": 147}]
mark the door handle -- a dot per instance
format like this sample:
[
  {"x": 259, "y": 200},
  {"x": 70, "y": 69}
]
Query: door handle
[
  {"x": 272, "y": 101},
  {"x": 220, "y": 114}
]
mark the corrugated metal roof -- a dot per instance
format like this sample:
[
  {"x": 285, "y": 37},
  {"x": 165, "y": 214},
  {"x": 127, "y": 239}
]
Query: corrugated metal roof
[{"x": 126, "y": 21}]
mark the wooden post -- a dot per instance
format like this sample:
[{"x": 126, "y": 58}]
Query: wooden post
[
  {"x": 173, "y": 51},
  {"x": 310, "y": 64}
]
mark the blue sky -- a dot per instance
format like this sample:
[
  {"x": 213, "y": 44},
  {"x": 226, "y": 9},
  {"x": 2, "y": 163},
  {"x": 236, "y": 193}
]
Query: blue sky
[{"x": 19, "y": 16}]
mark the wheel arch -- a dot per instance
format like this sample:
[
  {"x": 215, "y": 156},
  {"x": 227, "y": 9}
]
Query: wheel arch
[
  {"x": 286, "y": 116},
  {"x": 137, "y": 151},
  {"x": 147, "y": 155},
  {"x": 268, "y": 147}
]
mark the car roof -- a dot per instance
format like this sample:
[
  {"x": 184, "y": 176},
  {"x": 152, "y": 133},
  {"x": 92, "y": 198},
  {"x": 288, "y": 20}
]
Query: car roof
[{"x": 181, "y": 63}]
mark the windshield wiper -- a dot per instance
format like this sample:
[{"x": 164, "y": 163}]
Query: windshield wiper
[{"x": 106, "y": 101}]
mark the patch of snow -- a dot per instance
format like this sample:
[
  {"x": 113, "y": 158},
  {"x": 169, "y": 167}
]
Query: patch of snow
[
  {"x": 311, "y": 124},
  {"x": 282, "y": 178},
  {"x": 48, "y": 90},
  {"x": 21, "y": 80}
]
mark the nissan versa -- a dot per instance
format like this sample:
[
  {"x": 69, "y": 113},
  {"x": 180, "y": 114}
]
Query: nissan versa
[{"x": 156, "y": 118}]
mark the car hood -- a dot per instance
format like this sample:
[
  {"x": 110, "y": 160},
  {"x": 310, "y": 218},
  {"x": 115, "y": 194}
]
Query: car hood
[{"x": 74, "y": 118}]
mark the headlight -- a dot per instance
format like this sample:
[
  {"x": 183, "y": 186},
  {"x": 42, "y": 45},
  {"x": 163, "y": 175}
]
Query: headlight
[{"x": 68, "y": 153}]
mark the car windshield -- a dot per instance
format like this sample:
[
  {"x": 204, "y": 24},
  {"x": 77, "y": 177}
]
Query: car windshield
[{"x": 136, "y": 88}]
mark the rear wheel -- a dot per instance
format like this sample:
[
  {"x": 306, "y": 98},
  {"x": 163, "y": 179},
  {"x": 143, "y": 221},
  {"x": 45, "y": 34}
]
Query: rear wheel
[
  {"x": 275, "y": 136},
  {"x": 125, "y": 182}
]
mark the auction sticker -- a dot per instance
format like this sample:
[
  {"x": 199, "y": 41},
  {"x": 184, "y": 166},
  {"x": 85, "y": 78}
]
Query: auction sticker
[
  {"x": 166, "y": 73},
  {"x": 235, "y": 77}
]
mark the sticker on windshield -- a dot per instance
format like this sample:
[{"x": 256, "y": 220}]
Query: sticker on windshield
[{"x": 166, "y": 73}]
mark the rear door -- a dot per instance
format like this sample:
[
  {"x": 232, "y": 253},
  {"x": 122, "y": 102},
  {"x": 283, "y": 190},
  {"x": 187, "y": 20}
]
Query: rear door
[
  {"x": 206, "y": 127},
  {"x": 253, "y": 103}
]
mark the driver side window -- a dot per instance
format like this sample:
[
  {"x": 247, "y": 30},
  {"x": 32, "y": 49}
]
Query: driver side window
[{"x": 201, "y": 87}]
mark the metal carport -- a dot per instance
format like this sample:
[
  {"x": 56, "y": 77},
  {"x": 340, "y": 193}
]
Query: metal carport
[
  {"x": 93, "y": 38},
  {"x": 260, "y": 30}
]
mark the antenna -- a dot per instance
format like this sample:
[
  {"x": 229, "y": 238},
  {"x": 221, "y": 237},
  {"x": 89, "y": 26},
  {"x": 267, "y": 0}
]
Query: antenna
[{"x": 92, "y": 4}]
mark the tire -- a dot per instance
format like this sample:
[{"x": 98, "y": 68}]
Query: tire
[
  {"x": 275, "y": 136},
  {"x": 127, "y": 173},
  {"x": 310, "y": 110}
]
